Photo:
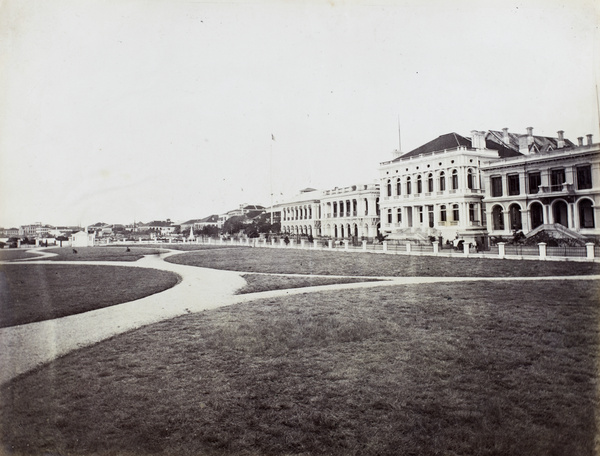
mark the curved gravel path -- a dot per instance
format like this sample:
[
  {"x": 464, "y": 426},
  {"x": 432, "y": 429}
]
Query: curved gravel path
[{"x": 25, "y": 347}]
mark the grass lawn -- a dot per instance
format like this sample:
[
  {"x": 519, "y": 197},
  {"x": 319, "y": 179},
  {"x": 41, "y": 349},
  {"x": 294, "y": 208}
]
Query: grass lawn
[
  {"x": 113, "y": 253},
  {"x": 486, "y": 369},
  {"x": 370, "y": 264},
  {"x": 36, "y": 292},
  {"x": 259, "y": 282},
  {"x": 16, "y": 254}
]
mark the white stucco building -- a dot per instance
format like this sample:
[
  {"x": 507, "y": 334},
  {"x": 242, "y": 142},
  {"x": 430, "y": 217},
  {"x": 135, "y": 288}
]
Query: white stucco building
[
  {"x": 436, "y": 189},
  {"x": 339, "y": 213},
  {"x": 552, "y": 185},
  {"x": 82, "y": 239}
]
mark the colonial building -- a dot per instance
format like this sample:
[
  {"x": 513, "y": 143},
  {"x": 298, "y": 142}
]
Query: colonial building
[
  {"x": 301, "y": 214},
  {"x": 436, "y": 189},
  {"x": 350, "y": 212},
  {"x": 493, "y": 183},
  {"x": 552, "y": 185},
  {"x": 341, "y": 213}
]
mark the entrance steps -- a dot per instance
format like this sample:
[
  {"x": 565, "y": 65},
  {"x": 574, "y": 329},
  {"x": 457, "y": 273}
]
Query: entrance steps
[{"x": 557, "y": 231}]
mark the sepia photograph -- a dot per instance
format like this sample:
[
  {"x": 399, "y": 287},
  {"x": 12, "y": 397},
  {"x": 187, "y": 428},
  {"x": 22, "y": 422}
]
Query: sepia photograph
[{"x": 299, "y": 227}]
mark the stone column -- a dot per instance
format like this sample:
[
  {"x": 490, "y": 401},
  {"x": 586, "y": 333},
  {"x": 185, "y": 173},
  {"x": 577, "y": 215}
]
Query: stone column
[
  {"x": 408, "y": 247},
  {"x": 466, "y": 248},
  {"x": 346, "y": 243},
  {"x": 436, "y": 247},
  {"x": 385, "y": 246},
  {"x": 364, "y": 245},
  {"x": 330, "y": 242},
  {"x": 571, "y": 215}
]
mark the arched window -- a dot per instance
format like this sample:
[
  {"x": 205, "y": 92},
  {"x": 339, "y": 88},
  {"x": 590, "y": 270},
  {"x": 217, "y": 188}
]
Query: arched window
[
  {"x": 419, "y": 185},
  {"x": 470, "y": 179},
  {"x": 389, "y": 188},
  {"x": 389, "y": 216},
  {"x": 454, "y": 179},
  {"x": 536, "y": 212},
  {"x": 455, "y": 212},
  {"x": 586, "y": 214},
  {"x": 514, "y": 214},
  {"x": 443, "y": 213},
  {"x": 559, "y": 212},
  {"x": 430, "y": 183},
  {"x": 408, "y": 185},
  {"x": 498, "y": 218},
  {"x": 398, "y": 187},
  {"x": 399, "y": 215},
  {"x": 442, "y": 181}
]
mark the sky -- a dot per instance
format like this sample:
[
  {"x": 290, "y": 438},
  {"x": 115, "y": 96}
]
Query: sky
[{"x": 118, "y": 111}]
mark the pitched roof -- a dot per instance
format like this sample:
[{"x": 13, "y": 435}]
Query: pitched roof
[
  {"x": 158, "y": 223},
  {"x": 539, "y": 143},
  {"x": 210, "y": 218},
  {"x": 447, "y": 141},
  {"x": 494, "y": 140}
]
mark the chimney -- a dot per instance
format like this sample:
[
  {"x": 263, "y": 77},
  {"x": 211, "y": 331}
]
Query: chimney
[
  {"x": 524, "y": 144},
  {"x": 580, "y": 141},
  {"x": 561, "y": 139},
  {"x": 589, "y": 139},
  {"x": 478, "y": 139},
  {"x": 505, "y": 137},
  {"x": 530, "y": 135}
]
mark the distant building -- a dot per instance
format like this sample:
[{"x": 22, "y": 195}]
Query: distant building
[
  {"x": 251, "y": 210},
  {"x": 198, "y": 224},
  {"x": 82, "y": 239},
  {"x": 160, "y": 227},
  {"x": 341, "y": 213}
]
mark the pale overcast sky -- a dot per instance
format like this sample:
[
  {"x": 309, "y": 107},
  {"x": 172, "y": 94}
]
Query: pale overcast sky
[{"x": 123, "y": 110}]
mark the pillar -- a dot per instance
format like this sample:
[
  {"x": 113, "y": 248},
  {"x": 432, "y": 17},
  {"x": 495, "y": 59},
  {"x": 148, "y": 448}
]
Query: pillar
[
  {"x": 364, "y": 245},
  {"x": 385, "y": 246},
  {"x": 542, "y": 246},
  {"x": 408, "y": 246},
  {"x": 346, "y": 243},
  {"x": 330, "y": 242},
  {"x": 501, "y": 250},
  {"x": 590, "y": 250},
  {"x": 436, "y": 247}
]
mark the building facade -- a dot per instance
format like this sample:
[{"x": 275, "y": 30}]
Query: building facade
[
  {"x": 341, "y": 213},
  {"x": 435, "y": 191},
  {"x": 548, "y": 188},
  {"x": 301, "y": 214},
  {"x": 350, "y": 212}
]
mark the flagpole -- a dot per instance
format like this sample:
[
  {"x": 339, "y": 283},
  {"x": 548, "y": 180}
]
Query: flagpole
[{"x": 271, "y": 175}]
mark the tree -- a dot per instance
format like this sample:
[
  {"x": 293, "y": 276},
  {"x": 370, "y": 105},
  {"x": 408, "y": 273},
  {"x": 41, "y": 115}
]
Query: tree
[
  {"x": 251, "y": 231},
  {"x": 209, "y": 230},
  {"x": 233, "y": 225}
]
